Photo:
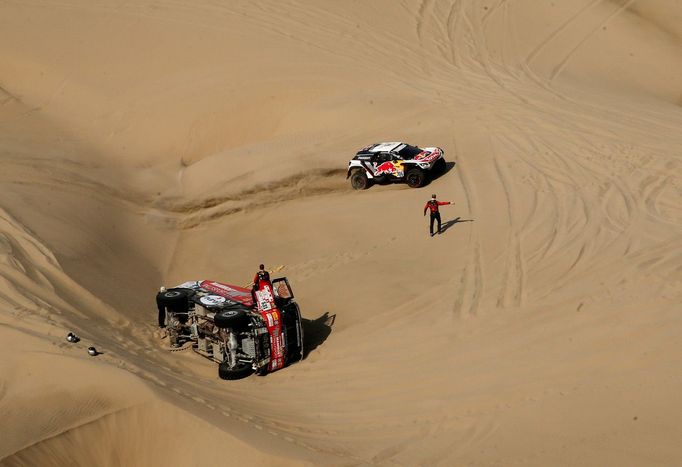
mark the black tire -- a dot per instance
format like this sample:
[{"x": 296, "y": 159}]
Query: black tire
[
  {"x": 234, "y": 319},
  {"x": 241, "y": 370},
  {"x": 439, "y": 167},
  {"x": 291, "y": 316},
  {"x": 173, "y": 296},
  {"x": 177, "y": 302},
  {"x": 359, "y": 180},
  {"x": 415, "y": 178},
  {"x": 295, "y": 354}
]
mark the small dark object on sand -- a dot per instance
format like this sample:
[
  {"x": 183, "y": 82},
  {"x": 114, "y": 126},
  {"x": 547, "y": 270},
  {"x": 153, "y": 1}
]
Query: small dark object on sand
[{"x": 71, "y": 337}]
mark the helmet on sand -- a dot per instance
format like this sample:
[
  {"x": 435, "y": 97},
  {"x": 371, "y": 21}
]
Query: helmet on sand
[
  {"x": 71, "y": 337},
  {"x": 162, "y": 289}
]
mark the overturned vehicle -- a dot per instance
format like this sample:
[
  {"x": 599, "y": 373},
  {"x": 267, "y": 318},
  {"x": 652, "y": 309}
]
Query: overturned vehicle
[{"x": 245, "y": 331}]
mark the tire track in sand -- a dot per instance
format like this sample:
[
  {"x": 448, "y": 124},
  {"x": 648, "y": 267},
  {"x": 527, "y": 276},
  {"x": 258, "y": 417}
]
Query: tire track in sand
[
  {"x": 562, "y": 64},
  {"x": 563, "y": 27},
  {"x": 515, "y": 272},
  {"x": 471, "y": 284}
]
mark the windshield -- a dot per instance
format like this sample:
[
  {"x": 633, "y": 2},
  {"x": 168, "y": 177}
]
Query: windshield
[{"x": 409, "y": 152}]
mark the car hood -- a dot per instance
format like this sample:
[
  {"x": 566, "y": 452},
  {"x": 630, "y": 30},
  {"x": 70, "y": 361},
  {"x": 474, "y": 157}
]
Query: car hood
[{"x": 429, "y": 155}]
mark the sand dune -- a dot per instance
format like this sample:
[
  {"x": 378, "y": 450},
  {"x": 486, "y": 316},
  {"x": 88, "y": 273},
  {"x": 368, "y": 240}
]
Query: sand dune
[{"x": 153, "y": 142}]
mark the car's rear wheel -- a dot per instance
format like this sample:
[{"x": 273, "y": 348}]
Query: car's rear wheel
[
  {"x": 239, "y": 371},
  {"x": 359, "y": 180},
  {"x": 415, "y": 178}
]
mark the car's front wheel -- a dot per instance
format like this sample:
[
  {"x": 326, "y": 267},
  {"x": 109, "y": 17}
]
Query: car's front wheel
[
  {"x": 176, "y": 299},
  {"x": 359, "y": 180},
  {"x": 415, "y": 178}
]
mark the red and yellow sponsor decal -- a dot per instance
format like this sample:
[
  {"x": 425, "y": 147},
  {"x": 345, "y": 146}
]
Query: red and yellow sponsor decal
[{"x": 271, "y": 316}]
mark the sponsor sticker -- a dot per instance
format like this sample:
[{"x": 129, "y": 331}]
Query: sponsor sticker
[
  {"x": 212, "y": 300},
  {"x": 428, "y": 156},
  {"x": 263, "y": 303},
  {"x": 385, "y": 168},
  {"x": 223, "y": 287},
  {"x": 265, "y": 298}
]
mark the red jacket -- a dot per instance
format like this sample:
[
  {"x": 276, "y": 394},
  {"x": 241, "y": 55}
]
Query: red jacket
[
  {"x": 261, "y": 276},
  {"x": 433, "y": 205}
]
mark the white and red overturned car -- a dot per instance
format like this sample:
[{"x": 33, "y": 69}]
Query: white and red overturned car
[
  {"x": 226, "y": 326},
  {"x": 387, "y": 162}
]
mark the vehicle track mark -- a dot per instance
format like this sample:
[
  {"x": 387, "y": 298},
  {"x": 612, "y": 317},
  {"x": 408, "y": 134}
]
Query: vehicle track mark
[
  {"x": 652, "y": 188},
  {"x": 514, "y": 276},
  {"x": 540, "y": 47},
  {"x": 562, "y": 64},
  {"x": 452, "y": 27},
  {"x": 297, "y": 186},
  {"x": 494, "y": 9},
  {"x": 547, "y": 189},
  {"x": 472, "y": 279},
  {"x": 421, "y": 15}
]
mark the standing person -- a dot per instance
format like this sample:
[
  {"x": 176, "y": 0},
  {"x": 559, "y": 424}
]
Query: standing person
[
  {"x": 261, "y": 276},
  {"x": 432, "y": 205},
  {"x": 162, "y": 307}
]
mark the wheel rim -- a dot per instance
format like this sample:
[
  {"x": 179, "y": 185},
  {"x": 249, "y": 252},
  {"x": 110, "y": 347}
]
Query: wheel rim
[
  {"x": 413, "y": 180},
  {"x": 359, "y": 182}
]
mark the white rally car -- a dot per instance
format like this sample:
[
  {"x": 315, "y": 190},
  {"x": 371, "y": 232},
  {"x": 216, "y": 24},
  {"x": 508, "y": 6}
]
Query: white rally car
[{"x": 387, "y": 162}]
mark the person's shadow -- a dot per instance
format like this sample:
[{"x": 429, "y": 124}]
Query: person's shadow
[
  {"x": 316, "y": 331},
  {"x": 457, "y": 220}
]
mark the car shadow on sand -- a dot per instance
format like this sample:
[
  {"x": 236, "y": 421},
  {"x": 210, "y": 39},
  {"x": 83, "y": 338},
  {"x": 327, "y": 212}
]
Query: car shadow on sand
[
  {"x": 447, "y": 224},
  {"x": 448, "y": 167},
  {"x": 316, "y": 331}
]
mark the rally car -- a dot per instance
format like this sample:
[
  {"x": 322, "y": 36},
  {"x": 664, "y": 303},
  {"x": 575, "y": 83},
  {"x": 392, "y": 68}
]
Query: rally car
[
  {"x": 221, "y": 322},
  {"x": 384, "y": 162}
]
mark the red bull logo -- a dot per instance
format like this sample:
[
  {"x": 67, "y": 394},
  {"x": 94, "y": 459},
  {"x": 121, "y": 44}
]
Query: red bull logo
[{"x": 390, "y": 168}]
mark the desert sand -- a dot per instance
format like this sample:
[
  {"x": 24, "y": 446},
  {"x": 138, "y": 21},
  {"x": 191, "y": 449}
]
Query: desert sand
[{"x": 152, "y": 142}]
